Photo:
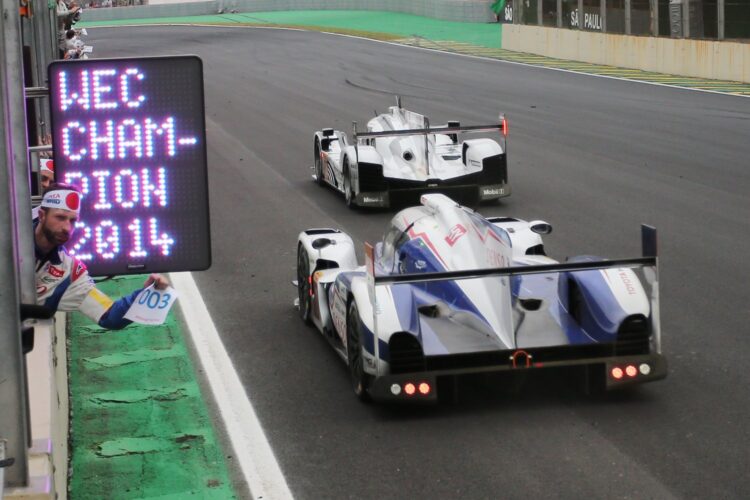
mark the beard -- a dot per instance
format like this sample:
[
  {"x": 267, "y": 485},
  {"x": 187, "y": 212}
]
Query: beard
[{"x": 55, "y": 237}]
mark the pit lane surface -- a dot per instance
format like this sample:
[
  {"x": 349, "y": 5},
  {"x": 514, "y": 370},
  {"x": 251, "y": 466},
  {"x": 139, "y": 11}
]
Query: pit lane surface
[{"x": 594, "y": 157}]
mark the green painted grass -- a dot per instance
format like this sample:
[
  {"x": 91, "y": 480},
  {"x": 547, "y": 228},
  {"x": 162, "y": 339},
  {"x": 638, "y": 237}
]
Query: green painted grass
[
  {"x": 393, "y": 25},
  {"x": 139, "y": 425}
]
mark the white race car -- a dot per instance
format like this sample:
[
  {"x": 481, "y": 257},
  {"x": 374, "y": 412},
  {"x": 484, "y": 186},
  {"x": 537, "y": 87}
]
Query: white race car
[
  {"x": 401, "y": 155},
  {"x": 449, "y": 293}
]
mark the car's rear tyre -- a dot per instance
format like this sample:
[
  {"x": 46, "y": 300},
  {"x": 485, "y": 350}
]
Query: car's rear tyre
[
  {"x": 360, "y": 379},
  {"x": 349, "y": 196},
  {"x": 318, "y": 164},
  {"x": 303, "y": 285}
]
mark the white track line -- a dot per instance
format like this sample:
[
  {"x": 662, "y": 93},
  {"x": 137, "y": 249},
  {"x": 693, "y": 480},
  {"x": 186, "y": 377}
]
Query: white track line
[{"x": 251, "y": 448}]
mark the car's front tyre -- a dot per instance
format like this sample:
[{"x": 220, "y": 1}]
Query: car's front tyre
[
  {"x": 303, "y": 285},
  {"x": 349, "y": 195},
  {"x": 318, "y": 164},
  {"x": 360, "y": 380}
]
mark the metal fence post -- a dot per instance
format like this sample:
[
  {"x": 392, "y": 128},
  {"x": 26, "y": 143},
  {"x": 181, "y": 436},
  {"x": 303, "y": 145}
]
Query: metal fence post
[
  {"x": 44, "y": 51},
  {"x": 580, "y": 14},
  {"x": 628, "y": 18},
  {"x": 14, "y": 195},
  {"x": 540, "y": 12},
  {"x": 4, "y": 462},
  {"x": 17, "y": 148},
  {"x": 13, "y": 425}
]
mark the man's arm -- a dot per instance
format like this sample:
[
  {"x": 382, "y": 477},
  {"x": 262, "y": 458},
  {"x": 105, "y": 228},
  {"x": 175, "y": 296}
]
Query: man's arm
[
  {"x": 81, "y": 294},
  {"x": 113, "y": 318}
]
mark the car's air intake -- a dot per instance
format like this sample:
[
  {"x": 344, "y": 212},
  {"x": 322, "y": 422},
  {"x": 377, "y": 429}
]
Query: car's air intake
[
  {"x": 633, "y": 336},
  {"x": 371, "y": 178},
  {"x": 406, "y": 353}
]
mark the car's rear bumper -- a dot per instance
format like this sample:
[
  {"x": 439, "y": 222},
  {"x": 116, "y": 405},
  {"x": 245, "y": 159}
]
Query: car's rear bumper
[
  {"x": 393, "y": 387},
  {"x": 405, "y": 195}
]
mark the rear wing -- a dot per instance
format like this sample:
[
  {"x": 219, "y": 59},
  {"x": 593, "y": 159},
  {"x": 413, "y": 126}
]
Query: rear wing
[
  {"x": 648, "y": 260},
  {"x": 501, "y": 126}
]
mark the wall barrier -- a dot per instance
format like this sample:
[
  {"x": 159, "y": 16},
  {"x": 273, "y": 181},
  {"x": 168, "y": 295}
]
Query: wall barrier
[
  {"x": 48, "y": 398},
  {"x": 677, "y": 56}
]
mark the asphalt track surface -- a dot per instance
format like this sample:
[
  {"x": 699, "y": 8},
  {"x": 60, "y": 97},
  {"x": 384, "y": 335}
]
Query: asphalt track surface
[{"x": 594, "y": 157}]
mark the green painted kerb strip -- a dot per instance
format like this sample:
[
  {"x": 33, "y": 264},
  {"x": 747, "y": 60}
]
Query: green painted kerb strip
[
  {"x": 139, "y": 426},
  {"x": 373, "y": 24}
]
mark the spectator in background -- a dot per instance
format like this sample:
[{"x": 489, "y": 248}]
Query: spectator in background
[
  {"x": 73, "y": 45},
  {"x": 46, "y": 172},
  {"x": 46, "y": 177},
  {"x": 65, "y": 15}
]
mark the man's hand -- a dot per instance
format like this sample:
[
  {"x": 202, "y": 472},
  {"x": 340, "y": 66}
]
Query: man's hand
[{"x": 159, "y": 281}]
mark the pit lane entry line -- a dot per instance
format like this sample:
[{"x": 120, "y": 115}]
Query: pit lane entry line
[{"x": 251, "y": 448}]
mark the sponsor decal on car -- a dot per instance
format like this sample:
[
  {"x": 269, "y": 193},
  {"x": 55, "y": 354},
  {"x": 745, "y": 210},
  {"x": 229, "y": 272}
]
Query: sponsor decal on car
[
  {"x": 493, "y": 191},
  {"x": 373, "y": 199},
  {"x": 629, "y": 286},
  {"x": 455, "y": 233}
]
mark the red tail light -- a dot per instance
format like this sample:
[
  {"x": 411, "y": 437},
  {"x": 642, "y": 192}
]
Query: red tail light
[
  {"x": 617, "y": 373},
  {"x": 409, "y": 389},
  {"x": 309, "y": 282},
  {"x": 631, "y": 371},
  {"x": 505, "y": 126},
  {"x": 424, "y": 388}
]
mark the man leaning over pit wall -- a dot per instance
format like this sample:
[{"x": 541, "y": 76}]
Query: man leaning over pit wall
[{"x": 62, "y": 281}]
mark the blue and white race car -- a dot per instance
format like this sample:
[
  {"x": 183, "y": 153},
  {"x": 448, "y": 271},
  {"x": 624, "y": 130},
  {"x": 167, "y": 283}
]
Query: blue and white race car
[
  {"x": 448, "y": 292},
  {"x": 401, "y": 156}
]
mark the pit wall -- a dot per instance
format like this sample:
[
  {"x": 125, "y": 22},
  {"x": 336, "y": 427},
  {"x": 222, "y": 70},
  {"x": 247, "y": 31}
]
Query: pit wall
[
  {"x": 698, "y": 58},
  {"x": 471, "y": 11},
  {"x": 47, "y": 370}
]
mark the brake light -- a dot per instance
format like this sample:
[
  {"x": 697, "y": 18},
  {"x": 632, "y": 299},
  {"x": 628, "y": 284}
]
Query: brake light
[
  {"x": 409, "y": 389},
  {"x": 505, "y": 126},
  {"x": 424, "y": 388},
  {"x": 617, "y": 373},
  {"x": 631, "y": 371},
  {"x": 309, "y": 282}
]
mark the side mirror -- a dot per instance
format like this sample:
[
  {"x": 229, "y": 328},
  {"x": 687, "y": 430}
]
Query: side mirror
[
  {"x": 540, "y": 227},
  {"x": 321, "y": 243}
]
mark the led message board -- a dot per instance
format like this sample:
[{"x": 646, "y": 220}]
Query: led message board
[{"x": 131, "y": 134}]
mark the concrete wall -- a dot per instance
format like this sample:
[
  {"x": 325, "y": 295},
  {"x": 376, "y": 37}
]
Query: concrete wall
[
  {"x": 449, "y": 10},
  {"x": 47, "y": 370},
  {"x": 700, "y": 58}
]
